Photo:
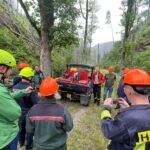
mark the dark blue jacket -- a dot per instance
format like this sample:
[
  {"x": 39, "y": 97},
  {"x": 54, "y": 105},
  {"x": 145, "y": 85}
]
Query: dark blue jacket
[
  {"x": 16, "y": 80},
  {"x": 28, "y": 101},
  {"x": 129, "y": 129},
  {"x": 120, "y": 91}
]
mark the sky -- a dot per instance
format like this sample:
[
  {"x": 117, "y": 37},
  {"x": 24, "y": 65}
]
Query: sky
[{"x": 104, "y": 34}]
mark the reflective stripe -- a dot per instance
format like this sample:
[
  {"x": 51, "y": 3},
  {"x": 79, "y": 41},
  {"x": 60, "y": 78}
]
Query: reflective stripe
[
  {"x": 46, "y": 118},
  {"x": 143, "y": 137},
  {"x": 140, "y": 146},
  {"x": 105, "y": 113}
]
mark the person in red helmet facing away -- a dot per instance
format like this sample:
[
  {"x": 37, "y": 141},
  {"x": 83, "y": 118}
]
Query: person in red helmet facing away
[
  {"x": 49, "y": 121},
  {"x": 17, "y": 79},
  {"x": 130, "y": 129},
  {"x": 98, "y": 80}
]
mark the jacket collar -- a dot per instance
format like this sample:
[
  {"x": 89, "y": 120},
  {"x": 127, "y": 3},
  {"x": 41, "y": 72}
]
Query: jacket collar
[
  {"x": 47, "y": 100},
  {"x": 136, "y": 107}
]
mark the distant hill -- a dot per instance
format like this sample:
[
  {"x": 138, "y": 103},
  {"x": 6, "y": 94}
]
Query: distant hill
[{"x": 103, "y": 49}]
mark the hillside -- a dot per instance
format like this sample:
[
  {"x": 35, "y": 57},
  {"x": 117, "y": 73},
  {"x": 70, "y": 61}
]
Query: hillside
[{"x": 104, "y": 48}]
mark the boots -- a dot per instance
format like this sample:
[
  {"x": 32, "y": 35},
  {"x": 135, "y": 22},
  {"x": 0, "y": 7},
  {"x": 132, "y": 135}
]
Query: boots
[{"x": 95, "y": 100}]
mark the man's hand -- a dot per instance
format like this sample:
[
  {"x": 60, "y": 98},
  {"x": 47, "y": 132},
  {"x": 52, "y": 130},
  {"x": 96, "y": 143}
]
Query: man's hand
[
  {"x": 108, "y": 101},
  {"x": 29, "y": 89},
  {"x": 123, "y": 103}
]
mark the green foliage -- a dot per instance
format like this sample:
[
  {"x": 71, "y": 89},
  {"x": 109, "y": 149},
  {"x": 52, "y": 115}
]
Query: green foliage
[
  {"x": 135, "y": 55},
  {"x": 64, "y": 29},
  {"x": 143, "y": 36},
  {"x": 58, "y": 62},
  {"x": 142, "y": 60},
  {"x": 22, "y": 50}
]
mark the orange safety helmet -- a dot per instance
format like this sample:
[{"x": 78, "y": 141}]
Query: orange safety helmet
[
  {"x": 111, "y": 69},
  {"x": 48, "y": 87},
  {"x": 22, "y": 65},
  {"x": 137, "y": 77},
  {"x": 125, "y": 70}
]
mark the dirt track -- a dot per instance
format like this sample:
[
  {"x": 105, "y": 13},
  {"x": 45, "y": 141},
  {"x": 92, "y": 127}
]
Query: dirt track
[{"x": 78, "y": 114}]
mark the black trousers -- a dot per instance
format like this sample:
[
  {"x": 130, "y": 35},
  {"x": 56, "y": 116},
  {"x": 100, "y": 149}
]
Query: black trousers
[{"x": 97, "y": 92}]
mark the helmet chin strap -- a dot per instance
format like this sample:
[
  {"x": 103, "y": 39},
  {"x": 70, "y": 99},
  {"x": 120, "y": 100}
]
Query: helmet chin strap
[{"x": 27, "y": 79}]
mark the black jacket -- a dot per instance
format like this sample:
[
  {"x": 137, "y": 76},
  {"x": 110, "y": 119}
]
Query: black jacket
[{"x": 28, "y": 101}]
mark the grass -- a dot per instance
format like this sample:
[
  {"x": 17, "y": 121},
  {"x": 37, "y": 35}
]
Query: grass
[{"x": 87, "y": 134}]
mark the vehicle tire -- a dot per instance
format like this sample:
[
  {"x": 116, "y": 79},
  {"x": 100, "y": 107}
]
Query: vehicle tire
[
  {"x": 85, "y": 100},
  {"x": 63, "y": 95}
]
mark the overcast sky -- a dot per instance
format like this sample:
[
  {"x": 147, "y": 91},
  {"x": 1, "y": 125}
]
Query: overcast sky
[{"x": 103, "y": 34}]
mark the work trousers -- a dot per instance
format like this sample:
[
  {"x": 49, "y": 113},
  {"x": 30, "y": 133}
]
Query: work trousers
[
  {"x": 108, "y": 90},
  {"x": 97, "y": 93}
]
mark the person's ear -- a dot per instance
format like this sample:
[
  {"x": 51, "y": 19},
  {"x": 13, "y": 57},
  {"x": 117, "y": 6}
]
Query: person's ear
[{"x": 2, "y": 68}]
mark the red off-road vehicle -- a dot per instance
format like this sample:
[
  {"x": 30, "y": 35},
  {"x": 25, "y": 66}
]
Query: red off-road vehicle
[{"x": 77, "y": 85}]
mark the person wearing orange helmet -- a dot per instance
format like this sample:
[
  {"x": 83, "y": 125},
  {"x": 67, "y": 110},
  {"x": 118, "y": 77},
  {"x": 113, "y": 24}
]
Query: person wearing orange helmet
[
  {"x": 110, "y": 79},
  {"x": 130, "y": 129},
  {"x": 49, "y": 121},
  {"x": 20, "y": 66}
]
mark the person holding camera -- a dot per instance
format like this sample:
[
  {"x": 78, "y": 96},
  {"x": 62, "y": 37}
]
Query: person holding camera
[
  {"x": 25, "y": 103},
  {"x": 130, "y": 129}
]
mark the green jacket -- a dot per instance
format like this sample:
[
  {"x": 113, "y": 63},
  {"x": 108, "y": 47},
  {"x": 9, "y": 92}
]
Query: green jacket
[
  {"x": 50, "y": 123},
  {"x": 38, "y": 77},
  {"x": 10, "y": 112}
]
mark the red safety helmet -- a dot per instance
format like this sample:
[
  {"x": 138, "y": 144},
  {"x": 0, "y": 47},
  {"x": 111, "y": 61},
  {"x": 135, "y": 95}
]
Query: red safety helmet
[
  {"x": 48, "y": 87},
  {"x": 22, "y": 65},
  {"x": 137, "y": 77},
  {"x": 111, "y": 69}
]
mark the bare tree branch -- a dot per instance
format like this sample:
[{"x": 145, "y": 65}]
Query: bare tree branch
[
  {"x": 81, "y": 10},
  {"x": 33, "y": 23}
]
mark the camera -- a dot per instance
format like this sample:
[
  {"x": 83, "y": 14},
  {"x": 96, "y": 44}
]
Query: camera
[{"x": 116, "y": 100}]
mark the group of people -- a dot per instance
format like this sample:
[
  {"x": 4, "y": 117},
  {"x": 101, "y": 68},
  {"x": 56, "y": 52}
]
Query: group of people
[
  {"x": 25, "y": 116},
  {"x": 130, "y": 128},
  {"x": 99, "y": 80}
]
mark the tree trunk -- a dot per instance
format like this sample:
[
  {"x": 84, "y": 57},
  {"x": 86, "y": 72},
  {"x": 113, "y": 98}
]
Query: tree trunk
[
  {"x": 47, "y": 21},
  {"x": 85, "y": 33},
  {"x": 129, "y": 21}
]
